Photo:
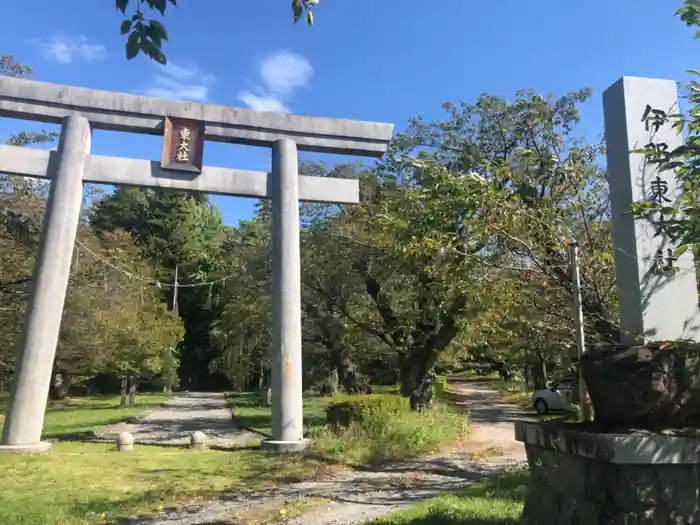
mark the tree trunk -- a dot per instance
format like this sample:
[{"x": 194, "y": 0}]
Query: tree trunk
[
  {"x": 504, "y": 372},
  {"x": 265, "y": 397},
  {"x": 122, "y": 401},
  {"x": 353, "y": 382},
  {"x": 527, "y": 376},
  {"x": 132, "y": 391},
  {"x": 261, "y": 377},
  {"x": 422, "y": 397},
  {"x": 333, "y": 382},
  {"x": 417, "y": 377},
  {"x": 60, "y": 385},
  {"x": 540, "y": 373}
]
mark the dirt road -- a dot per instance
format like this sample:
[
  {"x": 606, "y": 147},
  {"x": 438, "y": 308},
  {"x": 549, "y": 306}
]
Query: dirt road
[
  {"x": 174, "y": 422},
  {"x": 359, "y": 496}
]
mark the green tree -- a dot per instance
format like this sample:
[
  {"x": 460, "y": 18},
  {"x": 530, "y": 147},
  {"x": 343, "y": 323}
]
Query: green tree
[
  {"x": 502, "y": 187},
  {"x": 682, "y": 222},
  {"x": 242, "y": 334},
  {"x": 177, "y": 232},
  {"x": 107, "y": 312},
  {"x": 457, "y": 251}
]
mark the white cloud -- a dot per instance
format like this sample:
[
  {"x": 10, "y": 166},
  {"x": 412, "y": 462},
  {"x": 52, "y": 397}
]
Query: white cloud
[
  {"x": 262, "y": 102},
  {"x": 281, "y": 75},
  {"x": 180, "y": 82},
  {"x": 66, "y": 49}
]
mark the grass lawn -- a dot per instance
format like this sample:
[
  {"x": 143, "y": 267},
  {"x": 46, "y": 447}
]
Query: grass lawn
[
  {"x": 85, "y": 483},
  {"x": 80, "y": 483},
  {"x": 497, "y": 501},
  {"x": 74, "y": 416}
]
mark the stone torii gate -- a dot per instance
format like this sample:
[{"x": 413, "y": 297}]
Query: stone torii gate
[{"x": 185, "y": 126}]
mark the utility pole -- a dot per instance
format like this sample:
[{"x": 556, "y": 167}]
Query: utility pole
[
  {"x": 585, "y": 413},
  {"x": 175, "y": 308}
]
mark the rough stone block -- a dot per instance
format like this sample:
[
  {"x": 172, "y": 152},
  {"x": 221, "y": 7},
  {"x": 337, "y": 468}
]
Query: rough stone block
[{"x": 651, "y": 387}]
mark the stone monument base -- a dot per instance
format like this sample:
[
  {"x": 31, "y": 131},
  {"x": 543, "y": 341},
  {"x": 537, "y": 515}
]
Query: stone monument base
[
  {"x": 36, "y": 448},
  {"x": 582, "y": 477},
  {"x": 281, "y": 447}
]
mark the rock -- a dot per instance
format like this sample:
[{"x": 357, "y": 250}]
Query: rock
[
  {"x": 651, "y": 387},
  {"x": 125, "y": 442},
  {"x": 198, "y": 440}
]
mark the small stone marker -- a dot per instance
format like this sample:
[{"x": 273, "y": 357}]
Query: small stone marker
[
  {"x": 198, "y": 440},
  {"x": 655, "y": 284},
  {"x": 125, "y": 442}
]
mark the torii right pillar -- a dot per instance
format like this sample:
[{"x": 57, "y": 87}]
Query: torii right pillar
[{"x": 287, "y": 402}]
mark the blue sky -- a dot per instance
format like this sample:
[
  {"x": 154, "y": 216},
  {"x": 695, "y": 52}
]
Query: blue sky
[{"x": 385, "y": 60}]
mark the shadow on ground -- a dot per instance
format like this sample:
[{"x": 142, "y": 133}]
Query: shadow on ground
[
  {"x": 367, "y": 490},
  {"x": 487, "y": 406}
]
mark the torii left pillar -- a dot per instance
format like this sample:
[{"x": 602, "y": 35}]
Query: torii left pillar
[{"x": 36, "y": 353}]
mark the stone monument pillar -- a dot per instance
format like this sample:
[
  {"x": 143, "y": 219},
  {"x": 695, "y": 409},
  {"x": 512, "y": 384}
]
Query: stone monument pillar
[
  {"x": 656, "y": 286},
  {"x": 35, "y": 355},
  {"x": 287, "y": 409}
]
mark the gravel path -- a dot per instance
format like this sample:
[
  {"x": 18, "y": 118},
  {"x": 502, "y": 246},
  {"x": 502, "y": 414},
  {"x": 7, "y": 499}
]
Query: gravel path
[
  {"x": 352, "y": 498},
  {"x": 174, "y": 422}
]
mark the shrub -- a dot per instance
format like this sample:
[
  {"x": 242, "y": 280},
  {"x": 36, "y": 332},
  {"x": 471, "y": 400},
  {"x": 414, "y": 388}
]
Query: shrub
[
  {"x": 440, "y": 387},
  {"x": 364, "y": 408},
  {"x": 381, "y": 427}
]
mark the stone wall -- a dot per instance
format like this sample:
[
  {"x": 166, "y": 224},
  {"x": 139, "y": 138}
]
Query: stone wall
[
  {"x": 566, "y": 489},
  {"x": 588, "y": 478}
]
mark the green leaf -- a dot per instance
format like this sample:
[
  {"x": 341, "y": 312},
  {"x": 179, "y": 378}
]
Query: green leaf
[
  {"x": 681, "y": 250},
  {"x": 156, "y": 28},
  {"x": 159, "y": 5},
  {"x": 126, "y": 27},
  {"x": 122, "y": 5},
  {"x": 309, "y": 18},
  {"x": 297, "y": 10},
  {"x": 133, "y": 45},
  {"x": 159, "y": 57}
]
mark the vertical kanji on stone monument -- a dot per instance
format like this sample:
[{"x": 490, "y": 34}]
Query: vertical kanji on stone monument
[{"x": 656, "y": 283}]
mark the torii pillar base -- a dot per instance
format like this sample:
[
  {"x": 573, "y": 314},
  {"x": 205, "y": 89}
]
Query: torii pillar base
[
  {"x": 36, "y": 448},
  {"x": 284, "y": 447}
]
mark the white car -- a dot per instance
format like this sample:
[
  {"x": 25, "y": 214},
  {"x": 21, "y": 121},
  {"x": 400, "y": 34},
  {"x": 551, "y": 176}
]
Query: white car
[{"x": 557, "y": 397}]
